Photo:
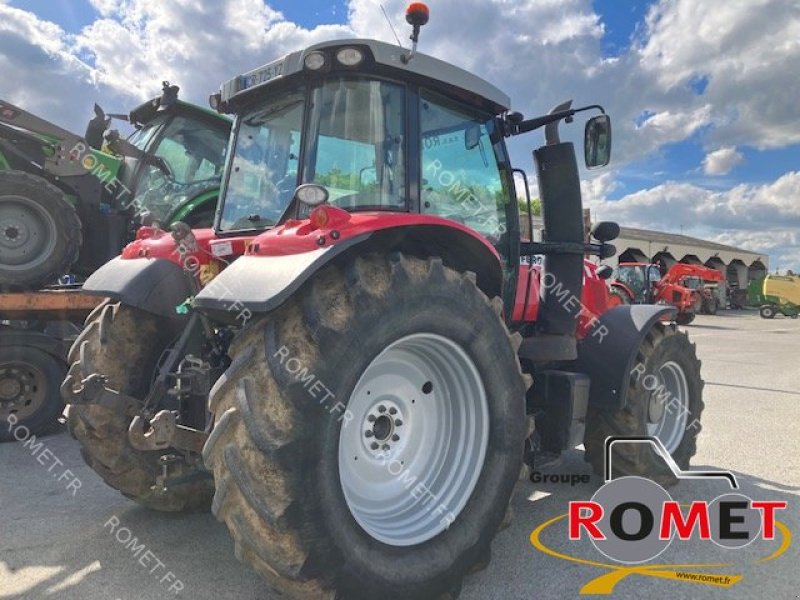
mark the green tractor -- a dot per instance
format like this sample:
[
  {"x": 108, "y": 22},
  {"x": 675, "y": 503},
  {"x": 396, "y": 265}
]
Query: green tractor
[{"x": 68, "y": 204}]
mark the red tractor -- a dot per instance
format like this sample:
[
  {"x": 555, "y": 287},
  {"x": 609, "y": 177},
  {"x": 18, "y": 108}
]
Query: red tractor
[
  {"x": 703, "y": 280},
  {"x": 686, "y": 287},
  {"x": 359, "y": 378}
]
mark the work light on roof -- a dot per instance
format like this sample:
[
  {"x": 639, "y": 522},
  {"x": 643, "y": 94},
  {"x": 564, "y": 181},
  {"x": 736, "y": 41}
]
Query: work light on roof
[
  {"x": 350, "y": 57},
  {"x": 314, "y": 61}
]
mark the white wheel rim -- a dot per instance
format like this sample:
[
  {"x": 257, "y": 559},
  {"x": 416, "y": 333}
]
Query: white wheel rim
[
  {"x": 27, "y": 233},
  {"x": 412, "y": 454},
  {"x": 668, "y": 406}
]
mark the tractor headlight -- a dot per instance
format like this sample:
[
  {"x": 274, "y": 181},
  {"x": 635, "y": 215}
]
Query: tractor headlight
[
  {"x": 311, "y": 194},
  {"x": 350, "y": 57},
  {"x": 314, "y": 61}
]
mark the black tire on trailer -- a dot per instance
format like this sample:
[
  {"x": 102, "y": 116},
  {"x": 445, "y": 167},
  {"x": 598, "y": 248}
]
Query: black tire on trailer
[
  {"x": 285, "y": 454},
  {"x": 684, "y": 318},
  {"x": 124, "y": 344},
  {"x": 40, "y": 232},
  {"x": 30, "y": 402},
  {"x": 767, "y": 311},
  {"x": 665, "y": 399}
]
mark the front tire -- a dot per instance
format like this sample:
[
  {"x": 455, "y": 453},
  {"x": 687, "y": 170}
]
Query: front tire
[
  {"x": 29, "y": 391},
  {"x": 309, "y": 500},
  {"x": 40, "y": 233},
  {"x": 124, "y": 344},
  {"x": 767, "y": 311},
  {"x": 664, "y": 400}
]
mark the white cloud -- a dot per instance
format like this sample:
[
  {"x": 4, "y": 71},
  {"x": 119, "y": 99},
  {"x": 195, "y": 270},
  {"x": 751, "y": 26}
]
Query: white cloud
[
  {"x": 763, "y": 218},
  {"x": 747, "y": 49},
  {"x": 539, "y": 51},
  {"x": 720, "y": 162}
]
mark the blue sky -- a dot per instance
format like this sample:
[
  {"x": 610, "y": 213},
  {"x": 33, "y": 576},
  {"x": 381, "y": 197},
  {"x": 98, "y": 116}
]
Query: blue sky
[{"x": 703, "y": 94}]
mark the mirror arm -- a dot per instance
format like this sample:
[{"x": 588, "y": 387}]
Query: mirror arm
[{"x": 512, "y": 129}]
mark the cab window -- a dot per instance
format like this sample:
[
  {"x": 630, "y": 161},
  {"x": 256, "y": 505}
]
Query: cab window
[
  {"x": 356, "y": 143},
  {"x": 460, "y": 176}
]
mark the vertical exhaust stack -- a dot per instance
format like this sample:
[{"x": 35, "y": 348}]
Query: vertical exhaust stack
[{"x": 562, "y": 212}]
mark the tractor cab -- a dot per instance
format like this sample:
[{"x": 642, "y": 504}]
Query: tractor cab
[
  {"x": 359, "y": 136},
  {"x": 640, "y": 279},
  {"x": 173, "y": 160}
]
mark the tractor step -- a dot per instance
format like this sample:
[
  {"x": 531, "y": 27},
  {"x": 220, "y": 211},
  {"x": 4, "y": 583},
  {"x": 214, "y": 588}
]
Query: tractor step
[{"x": 548, "y": 348}]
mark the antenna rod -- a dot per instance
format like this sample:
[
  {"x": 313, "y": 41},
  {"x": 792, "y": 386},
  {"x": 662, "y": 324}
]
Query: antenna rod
[{"x": 389, "y": 21}]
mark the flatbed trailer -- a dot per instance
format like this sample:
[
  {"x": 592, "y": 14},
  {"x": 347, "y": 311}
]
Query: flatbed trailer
[{"x": 36, "y": 332}]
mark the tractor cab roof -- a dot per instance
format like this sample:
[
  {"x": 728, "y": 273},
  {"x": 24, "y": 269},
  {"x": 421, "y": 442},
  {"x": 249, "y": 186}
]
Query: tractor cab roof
[
  {"x": 378, "y": 58},
  {"x": 149, "y": 110}
]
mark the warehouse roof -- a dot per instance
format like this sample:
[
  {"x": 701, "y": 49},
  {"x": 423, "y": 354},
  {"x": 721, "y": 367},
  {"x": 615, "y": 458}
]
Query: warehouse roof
[{"x": 629, "y": 233}]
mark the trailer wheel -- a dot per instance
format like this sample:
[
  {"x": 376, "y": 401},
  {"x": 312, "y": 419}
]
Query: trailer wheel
[
  {"x": 40, "y": 233},
  {"x": 767, "y": 311},
  {"x": 684, "y": 318},
  {"x": 124, "y": 344},
  {"x": 30, "y": 402},
  {"x": 369, "y": 433},
  {"x": 664, "y": 400}
]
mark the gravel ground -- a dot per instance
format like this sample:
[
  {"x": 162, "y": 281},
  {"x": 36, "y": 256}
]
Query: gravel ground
[{"x": 56, "y": 540}]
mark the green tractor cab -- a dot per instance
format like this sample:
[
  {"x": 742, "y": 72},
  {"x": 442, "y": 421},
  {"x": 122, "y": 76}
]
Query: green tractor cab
[{"x": 68, "y": 203}]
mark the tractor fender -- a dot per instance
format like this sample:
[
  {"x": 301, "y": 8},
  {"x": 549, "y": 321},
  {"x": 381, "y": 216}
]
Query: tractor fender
[
  {"x": 609, "y": 359},
  {"x": 10, "y": 337},
  {"x": 259, "y": 284},
  {"x": 155, "y": 285},
  {"x": 624, "y": 289}
]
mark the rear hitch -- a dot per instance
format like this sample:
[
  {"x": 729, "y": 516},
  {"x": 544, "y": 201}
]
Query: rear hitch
[
  {"x": 93, "y": 390},
  {"x": 165, "y": 432}
]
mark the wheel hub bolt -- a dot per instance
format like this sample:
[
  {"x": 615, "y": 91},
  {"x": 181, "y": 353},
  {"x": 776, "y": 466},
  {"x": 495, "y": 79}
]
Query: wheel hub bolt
[{"x": 380, "y": 427}]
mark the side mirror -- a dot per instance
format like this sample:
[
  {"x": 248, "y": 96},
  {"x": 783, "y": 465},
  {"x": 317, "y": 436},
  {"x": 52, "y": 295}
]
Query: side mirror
[
  {"x": 605, "y": 231},
  {"x": 472, "y": 136},
  {"x": 604, "y": 272},
  {"x": 597, "y": 142},
  {"x": 367, "y": 177}
]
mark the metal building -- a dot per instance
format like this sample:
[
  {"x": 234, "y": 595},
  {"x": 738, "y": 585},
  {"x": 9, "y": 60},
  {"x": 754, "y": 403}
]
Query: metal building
[{"x": 641, "y": 245}]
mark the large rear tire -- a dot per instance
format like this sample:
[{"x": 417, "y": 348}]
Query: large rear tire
[
  {"x": 380, "y": 403},
  {"x": 124, "y": 344},
  {"x": 40, "y": 233},
  {"x": 30, "y": 402},
  {"x": 665, "y": 400}
]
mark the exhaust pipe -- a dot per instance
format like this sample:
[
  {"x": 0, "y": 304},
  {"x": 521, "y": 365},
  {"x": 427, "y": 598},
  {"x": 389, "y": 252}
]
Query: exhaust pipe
[{"x": 562, "y": 212}]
